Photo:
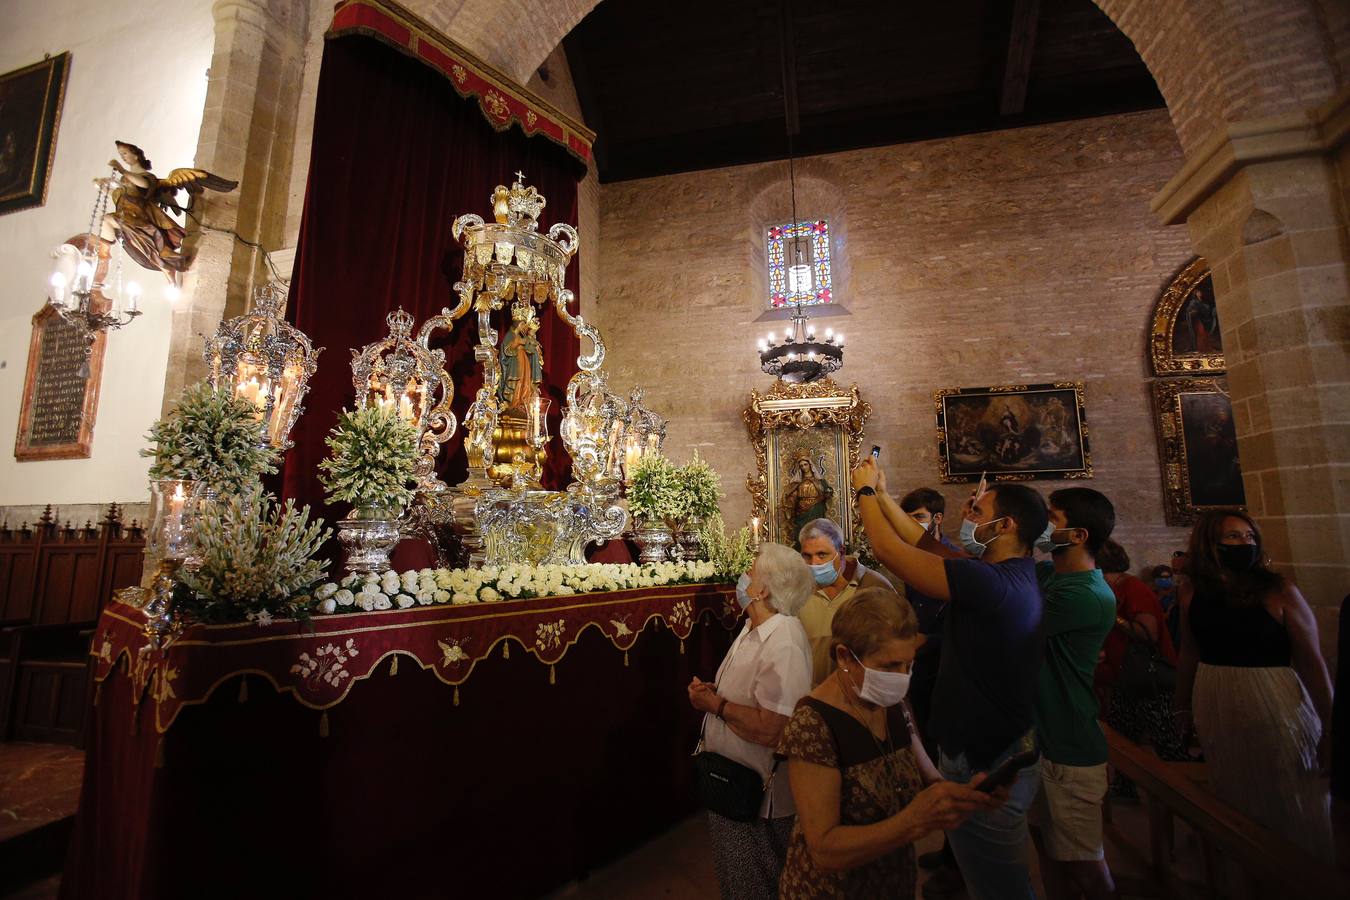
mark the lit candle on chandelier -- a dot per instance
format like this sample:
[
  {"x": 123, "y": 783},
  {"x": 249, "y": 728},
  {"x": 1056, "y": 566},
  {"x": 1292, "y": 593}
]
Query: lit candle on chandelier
[{"x": 754, "y": 531}]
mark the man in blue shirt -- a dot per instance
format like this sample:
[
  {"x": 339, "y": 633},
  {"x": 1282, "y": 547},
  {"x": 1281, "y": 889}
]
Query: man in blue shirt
[{"x": 992, "y": 647}]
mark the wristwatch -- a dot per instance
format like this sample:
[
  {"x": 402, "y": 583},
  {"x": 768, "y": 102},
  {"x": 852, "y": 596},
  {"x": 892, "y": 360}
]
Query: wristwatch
[{"x": 865, "y": 491}]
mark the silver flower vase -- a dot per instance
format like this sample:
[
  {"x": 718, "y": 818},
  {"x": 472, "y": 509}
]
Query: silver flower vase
[
  {"x": 687, "y": 541},
  {"x": 368, "y": 536},
  {"x": 654, "y": 540}
]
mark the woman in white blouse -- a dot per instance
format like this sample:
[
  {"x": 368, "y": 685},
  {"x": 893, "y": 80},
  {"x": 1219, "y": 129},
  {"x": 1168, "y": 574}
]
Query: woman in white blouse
[{"x": 766, "y": 671}]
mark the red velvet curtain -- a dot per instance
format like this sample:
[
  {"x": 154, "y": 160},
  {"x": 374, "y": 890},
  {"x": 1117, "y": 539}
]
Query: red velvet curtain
[{"x": 397, "y": 156}]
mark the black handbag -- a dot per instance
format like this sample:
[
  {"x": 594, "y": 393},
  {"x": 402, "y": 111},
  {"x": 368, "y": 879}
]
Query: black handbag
[
  {"x": 1144, "y": 674},
  {"x": 726, "y": 787}
]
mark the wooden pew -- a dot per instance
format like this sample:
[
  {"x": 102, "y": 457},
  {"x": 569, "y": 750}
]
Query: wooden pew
[
  {"x": 1274, "y": 866},
  {"x": 54, "y": 581}
]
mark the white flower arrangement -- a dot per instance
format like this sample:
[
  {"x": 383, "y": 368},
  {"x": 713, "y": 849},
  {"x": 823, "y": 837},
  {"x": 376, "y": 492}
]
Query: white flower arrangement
[
  {"x": 424, "y": 587},
  {"x": 373, "y": 452},
  {"x": 729, "y": 555},
  {"x": 654, "y": 491},
  {"x": 256, "y": 560},
  {"x": 700, "y": 489},
  {"x": 210, "y": 436}
]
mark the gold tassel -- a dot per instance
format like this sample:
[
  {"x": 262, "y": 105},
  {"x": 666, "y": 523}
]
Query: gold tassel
[
  {"x": 243, "y": 689},
  {"x": 625, "y": 659},
  {"x": 506, "y": 650},
  {"x": 681, "y": 646},
  {"x": 552, "y": 674},
  {"x": 457, "y": 695},
  {"x": 323, "y": 724},
  {"x": 98, "y": 691},
  {"x": 393, "y": 666},
  {"x": 159, "y": 754}
]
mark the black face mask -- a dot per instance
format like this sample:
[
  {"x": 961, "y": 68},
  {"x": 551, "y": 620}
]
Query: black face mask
[{"x": 1238, "y": 557}]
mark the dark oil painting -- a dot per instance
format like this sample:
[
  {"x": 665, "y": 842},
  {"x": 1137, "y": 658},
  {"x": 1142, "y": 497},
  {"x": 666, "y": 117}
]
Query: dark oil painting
[
  {"x": 1212, "y": 465},
  {"x": 1196, "y": 329},
  {"x": 1036, "y": 431},
  {"x": 30, "y": 111}
]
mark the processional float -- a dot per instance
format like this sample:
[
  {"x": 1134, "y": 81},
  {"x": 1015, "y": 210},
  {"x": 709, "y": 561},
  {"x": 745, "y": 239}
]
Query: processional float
[{"x": 501, "y": 512}]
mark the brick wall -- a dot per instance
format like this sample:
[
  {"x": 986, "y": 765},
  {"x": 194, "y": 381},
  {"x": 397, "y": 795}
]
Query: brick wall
[{"x": 1014, "y": 257}]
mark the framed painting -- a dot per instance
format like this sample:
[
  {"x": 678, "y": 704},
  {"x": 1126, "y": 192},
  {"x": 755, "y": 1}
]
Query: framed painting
[
  {"x": 30, "y": 112},
  {"x": 807, "y": 438},
  {"x": 1197, "y": 445},
  {"x": 1185, "y": 337},
  {"x": 1012, "y": 432}
]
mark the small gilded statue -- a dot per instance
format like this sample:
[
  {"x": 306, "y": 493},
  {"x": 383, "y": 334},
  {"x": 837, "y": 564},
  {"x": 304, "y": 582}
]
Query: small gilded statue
[
  {"x": 144, "y": 207},
  {"x": 522, "y": 360}
]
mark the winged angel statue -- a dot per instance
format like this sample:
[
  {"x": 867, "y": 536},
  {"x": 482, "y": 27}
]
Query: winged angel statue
[{"x": 144, "y": 207}]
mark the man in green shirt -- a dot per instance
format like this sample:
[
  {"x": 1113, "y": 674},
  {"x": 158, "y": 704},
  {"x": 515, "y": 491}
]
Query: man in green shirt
[{"x": 1080, "y": 610}]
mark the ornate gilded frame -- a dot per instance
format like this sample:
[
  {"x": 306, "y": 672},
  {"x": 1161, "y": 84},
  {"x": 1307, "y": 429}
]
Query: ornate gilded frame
[
  {"x": 786, "y": 407},
  {"x": 1162, "y": 355},
  {"x": 945, "y": 467},
  {"x": 32, "y": 190},
  {"x": 1178, "y": 505}
]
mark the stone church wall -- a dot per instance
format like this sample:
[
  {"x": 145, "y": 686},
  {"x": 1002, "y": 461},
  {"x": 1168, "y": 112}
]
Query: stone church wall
[
  {"x": 136, "y": 74},
  {"x": 1007, "y": 258}
]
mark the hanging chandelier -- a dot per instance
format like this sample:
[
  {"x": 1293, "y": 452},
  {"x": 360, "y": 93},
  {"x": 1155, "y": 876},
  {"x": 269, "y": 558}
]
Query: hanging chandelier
[
  {"x": 799, "y": 357},
  {"x": 80, "y": 289}
]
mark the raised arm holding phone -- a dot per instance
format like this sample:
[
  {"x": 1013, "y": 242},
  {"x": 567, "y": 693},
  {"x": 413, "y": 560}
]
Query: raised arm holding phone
[{"x": 992, "y": 649}]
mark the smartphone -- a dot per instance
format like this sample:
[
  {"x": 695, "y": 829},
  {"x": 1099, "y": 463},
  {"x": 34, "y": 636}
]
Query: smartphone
[
  {"x": 1005, "y": 773},
  {"x": 876, "y": 453}
]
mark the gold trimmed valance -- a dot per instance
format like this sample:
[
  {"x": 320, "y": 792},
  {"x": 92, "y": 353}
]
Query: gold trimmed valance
[{"x": 502, "y": 101}]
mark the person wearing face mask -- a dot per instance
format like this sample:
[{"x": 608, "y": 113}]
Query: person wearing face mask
[
  {"x": 764, "y": 674},
  {"x": 992, "y": 648},
  {"x": 837, "y": 577},
  {"x": 1252, "y": 681},
  {"x": 1080, "y": 610},
  {"x": 857, "y": 767}
]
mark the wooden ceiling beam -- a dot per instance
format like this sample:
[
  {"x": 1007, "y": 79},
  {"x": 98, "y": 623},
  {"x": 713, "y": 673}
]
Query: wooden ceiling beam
[{"x": 1021, "y": 46}]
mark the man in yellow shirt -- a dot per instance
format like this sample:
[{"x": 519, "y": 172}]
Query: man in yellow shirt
[{"x": 837, "y": 577}]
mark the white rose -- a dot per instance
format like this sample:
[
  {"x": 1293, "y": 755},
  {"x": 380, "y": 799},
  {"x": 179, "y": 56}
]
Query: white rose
[
  {"x": 350, "y": 581},
  {"x": 367, "y": 601},
  {"x": 409, "y": 580},
  {"x": 390, "y": 583},
  {"x": 326, "y": 590},
  {"x": 426, "y": 573},
  {"x": 440, "y": 596},
  {"x": 488, "y": 595},
  {"x": 344, "y": 597},
  {"x": 371, "y": 576},
  {"x": 404, "y": 601},
  {"x": 328, "y": 607},
  {"x": 564, "y": 591},
  {"x": 425, "y": 597},
  {"x": 444, "y": 579},
  {"x": 461, "y": 597},
  {"x": 382, "y": 602}
]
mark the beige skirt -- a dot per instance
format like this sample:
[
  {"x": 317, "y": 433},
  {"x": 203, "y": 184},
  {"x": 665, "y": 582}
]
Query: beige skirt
[{"x": 1260, "y": 733}]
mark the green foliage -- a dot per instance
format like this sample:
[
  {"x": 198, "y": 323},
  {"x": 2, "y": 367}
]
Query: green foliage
[
  {"x": 731, "y": 556},
  {"x": 256, "y": 557},
  {"x": 654, "y": 492},
  {"x": 373, "y": 452},
  {"x": 213, "y": 437},
  {"x": 700, "y": 489}
]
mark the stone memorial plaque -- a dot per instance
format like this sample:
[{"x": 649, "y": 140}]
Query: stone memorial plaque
[{"x": 59, "y": 401}]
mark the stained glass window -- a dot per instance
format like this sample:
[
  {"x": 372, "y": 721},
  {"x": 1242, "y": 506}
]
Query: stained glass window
[{"x": 799, "y": 264}]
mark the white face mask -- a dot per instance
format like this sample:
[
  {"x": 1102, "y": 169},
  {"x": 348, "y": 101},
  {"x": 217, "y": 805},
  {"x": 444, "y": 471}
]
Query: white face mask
[
  {"x": 882, "y": 688},
  {"x": 743, "y": 591}
]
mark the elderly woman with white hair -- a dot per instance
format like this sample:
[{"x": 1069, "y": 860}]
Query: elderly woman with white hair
[{"x": 764, "y": 674}]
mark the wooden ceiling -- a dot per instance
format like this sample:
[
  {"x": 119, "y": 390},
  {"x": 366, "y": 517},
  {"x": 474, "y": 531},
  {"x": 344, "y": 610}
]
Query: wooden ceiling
[{"x": 699, "y": 84}]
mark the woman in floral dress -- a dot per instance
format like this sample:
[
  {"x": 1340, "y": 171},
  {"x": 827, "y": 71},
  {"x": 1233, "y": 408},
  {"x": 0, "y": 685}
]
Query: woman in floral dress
[{"x": 857, "y": 768}]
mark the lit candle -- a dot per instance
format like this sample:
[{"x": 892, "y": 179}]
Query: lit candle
[
  {"x": 133, "y": 297},
  {"x": 754, "y": 531},
  {"x": 829, "y": 334},
  {"x": 839, "y": 339},
  {"x": 58, "y": 292},
  {"x": 84, "y": 275}
]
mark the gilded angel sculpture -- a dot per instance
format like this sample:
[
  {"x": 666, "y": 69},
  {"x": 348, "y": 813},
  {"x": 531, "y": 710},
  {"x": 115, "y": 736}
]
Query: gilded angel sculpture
[{"x": 144, "y": 207}]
